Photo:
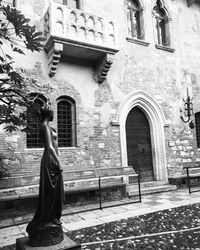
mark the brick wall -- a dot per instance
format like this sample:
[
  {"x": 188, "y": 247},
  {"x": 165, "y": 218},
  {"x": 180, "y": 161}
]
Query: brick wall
[{"x": 162, "y": 74}]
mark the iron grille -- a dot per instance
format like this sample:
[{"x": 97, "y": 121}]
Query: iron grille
[
  {"x": 65, "y": 116},
  {"x": 33, "y": 124}
]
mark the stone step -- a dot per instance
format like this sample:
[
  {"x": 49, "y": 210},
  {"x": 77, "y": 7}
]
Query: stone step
[
  {"x": 151, "y": 184},
  {"x": 133, "y": 190}
]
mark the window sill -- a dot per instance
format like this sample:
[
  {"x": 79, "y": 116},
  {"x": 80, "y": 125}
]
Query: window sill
[
  {"x": 33, "y": 149},
  {"x": 42, "y": 149},
  {"x": 67, "y": 148},
  {"x": 137, "y": 41},
  {"x": 162, "y": 47}
]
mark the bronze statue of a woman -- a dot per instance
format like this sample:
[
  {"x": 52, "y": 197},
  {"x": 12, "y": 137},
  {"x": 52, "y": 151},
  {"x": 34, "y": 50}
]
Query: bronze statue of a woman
[{"x": 45, "y": 228}]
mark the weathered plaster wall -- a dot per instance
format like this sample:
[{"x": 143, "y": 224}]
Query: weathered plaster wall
[{"x": 162, "y": 74}]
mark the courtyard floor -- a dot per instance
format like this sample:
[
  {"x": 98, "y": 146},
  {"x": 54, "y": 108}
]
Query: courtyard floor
[{"x": 169, "y": 220}]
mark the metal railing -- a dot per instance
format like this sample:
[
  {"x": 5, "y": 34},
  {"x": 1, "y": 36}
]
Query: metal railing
[
  {"x": 189, "y": 177},
  {"x": 101, "y": 206}
]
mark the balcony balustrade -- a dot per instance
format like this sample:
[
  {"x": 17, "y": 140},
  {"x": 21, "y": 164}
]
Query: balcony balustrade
[{"x": 75, "y": 33}]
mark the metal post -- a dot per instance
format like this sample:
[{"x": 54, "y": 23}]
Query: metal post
[
  {"x": 100, "y": 202},
  {"x": 188, "y": 179},
  {"x": 139, "y": 187}
]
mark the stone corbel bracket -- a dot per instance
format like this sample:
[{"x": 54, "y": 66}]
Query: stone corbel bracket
[
  {"x": 54, "y": 55},
  {"x": 104, "y": 67},
  {"x": 190, "y": 2}
]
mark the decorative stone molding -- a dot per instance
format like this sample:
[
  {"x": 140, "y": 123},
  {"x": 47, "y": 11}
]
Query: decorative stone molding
[
  {"x": 137, "y": 41},
  {"x": 166, "y": 48},
  {"x": 157, "y": 122},
  {"x": 104, "y": 67},
  {"x": 66, "y": 23},
  {"x": 164, "y": 5},
  {"x": 190, "y": 2},
  {"x": 81, "y": 34},
  {"x": 54, "y": 55}
]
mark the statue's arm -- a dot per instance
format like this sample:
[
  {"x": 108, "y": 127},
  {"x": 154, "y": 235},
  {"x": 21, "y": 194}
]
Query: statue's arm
[{"x": 48, "y": 143}]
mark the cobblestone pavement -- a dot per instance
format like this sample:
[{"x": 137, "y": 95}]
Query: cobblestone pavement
[
  {"x": 150, "y": 203},
  {"x": 176, "y": 228}
]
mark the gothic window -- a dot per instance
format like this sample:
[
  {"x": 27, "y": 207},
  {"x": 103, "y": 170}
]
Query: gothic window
[
  {"x": 135, "y": 19},
  {"x": 33, "y": 123},
  {"x": 162, "y": 24},
  {"x": 71, "y": 3},
  {"x": 197, "y": 123},
  {"x": 66, "y": 120}
]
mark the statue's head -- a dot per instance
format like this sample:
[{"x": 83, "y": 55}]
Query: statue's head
[{"x": 46, "y": 113}]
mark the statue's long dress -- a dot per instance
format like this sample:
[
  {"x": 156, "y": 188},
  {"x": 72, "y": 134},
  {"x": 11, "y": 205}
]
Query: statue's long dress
[{"x": 50, "y": 201}]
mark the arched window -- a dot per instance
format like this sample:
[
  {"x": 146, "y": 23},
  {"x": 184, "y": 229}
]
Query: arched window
[
  {"x": 162, "y": 24},
  {"x": 71, "y": 3},
  {"x": 66, "y": 120},
  {"x": 33, "y": 123},
  {"x": 197, "y": 124},
  {"x": 135, "y": 19}
]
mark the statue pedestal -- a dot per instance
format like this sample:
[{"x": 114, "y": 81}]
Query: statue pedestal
[
  {"x": 66, "y": 244},
  {"x": 45, "y": 235}
]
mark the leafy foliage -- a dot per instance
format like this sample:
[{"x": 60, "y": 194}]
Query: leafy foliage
[
  {"x": 15, "y": 25},
  {"x": 18, "y": 34}
]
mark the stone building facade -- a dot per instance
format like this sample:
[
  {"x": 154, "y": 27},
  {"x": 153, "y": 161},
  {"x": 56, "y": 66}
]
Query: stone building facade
[{"x": 126, "y": 65}]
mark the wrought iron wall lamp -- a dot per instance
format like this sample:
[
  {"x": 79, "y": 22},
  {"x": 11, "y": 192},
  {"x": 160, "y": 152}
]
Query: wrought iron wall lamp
[{"x": 188, "y": 111}]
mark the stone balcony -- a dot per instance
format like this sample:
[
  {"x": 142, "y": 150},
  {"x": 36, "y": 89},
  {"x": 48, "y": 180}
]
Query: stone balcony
[{"x": 75, "y": 33}]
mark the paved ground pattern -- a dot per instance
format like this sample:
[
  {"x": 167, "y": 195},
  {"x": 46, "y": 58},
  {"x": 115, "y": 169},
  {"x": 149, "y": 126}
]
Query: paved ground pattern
[
  {"x": 157, "y": 210},
  {"x": 170, "y": 229}
]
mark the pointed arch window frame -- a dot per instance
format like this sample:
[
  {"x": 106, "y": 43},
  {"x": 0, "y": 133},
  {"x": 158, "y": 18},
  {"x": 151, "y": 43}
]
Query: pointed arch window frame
[
  {"x": 139, "y": 38},
  {"x": 163, "y": 20}
]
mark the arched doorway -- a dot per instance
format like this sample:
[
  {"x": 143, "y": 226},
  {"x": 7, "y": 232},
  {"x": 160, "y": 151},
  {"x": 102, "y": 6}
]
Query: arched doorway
[
  {"x": 156, "y": 118},
  {"x": 139, "y": 148}
]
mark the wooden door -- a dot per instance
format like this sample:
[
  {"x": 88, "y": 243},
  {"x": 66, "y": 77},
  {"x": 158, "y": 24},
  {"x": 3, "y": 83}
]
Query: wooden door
[{"x": 139, "y": 150}]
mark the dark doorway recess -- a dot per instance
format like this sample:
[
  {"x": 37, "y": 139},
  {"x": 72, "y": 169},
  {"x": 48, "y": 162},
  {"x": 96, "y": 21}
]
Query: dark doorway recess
[{"x": 139, "y": 150}]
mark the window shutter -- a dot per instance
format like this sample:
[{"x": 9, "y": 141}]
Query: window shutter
[
  {"x": 141, "y": 25},
  {"x": 128, "y": 14},
  {"x": 167, "y": 34},
  {"x": 158, "y": 30}
]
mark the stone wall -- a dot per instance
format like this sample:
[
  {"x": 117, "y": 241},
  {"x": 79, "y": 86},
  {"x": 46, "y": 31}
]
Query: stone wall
[{"x": 164, "y": 75}]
